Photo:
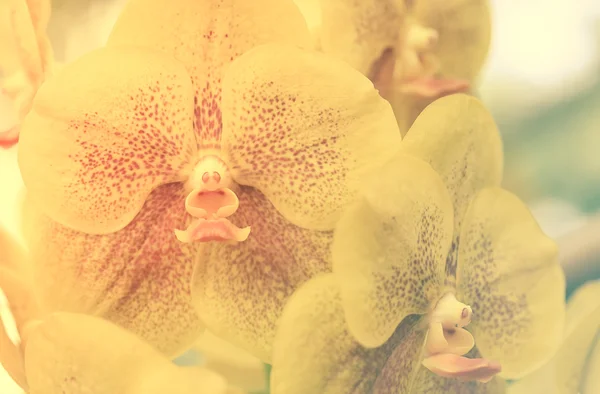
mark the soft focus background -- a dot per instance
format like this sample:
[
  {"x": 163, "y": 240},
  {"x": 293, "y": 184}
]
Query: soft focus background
[{"x": 542, "y": 82}]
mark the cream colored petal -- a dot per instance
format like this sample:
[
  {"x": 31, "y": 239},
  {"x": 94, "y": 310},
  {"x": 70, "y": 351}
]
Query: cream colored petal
[
  {"x": 76, "y": 353},
  {"x": 240, "y": 289},
  {"x": 103, "y": 133},
  {"x": 572, "y": 370},
  {"x": 591, "y": 381},
  {"x": 464, "y": 34},
  {"x": 11, "y": 356},
  {"x": 458, "y": 137},
  {"x": 206, "y": 36},
  {"x": 358, "y": 31},
  {"x": 235, "y": 364},
  {"x": 315, "y": 353},
  {"x": 304, "y": 129},
  {"x": 508, "y": 273},
  {"x": 390, "y": 248},
  {"x": 138, "y": 277}
]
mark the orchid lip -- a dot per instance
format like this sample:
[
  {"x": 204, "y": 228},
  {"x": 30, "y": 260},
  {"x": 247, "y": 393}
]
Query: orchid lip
[
  {"x": 210, "y": 202},
  {"x": 447, "y": 341},
  {"x": 219, "y": 230}
]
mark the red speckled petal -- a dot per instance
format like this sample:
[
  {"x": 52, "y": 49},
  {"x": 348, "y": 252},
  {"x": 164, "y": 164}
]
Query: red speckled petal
[
  {"x": 508, "y": 272},
  {"x": 103, "y": 133},
  {"x": 206, "y": 36},
  {"x": 314, "y": 352},
  {"x": 458, "y": 137},
  {"x": 390, "y": 246},
  {"x": 305, "y": 129},
  {"x": 240, "y": 289},
  {"x": 77, "y": 353},
  {"x": 138, "y": 277}
]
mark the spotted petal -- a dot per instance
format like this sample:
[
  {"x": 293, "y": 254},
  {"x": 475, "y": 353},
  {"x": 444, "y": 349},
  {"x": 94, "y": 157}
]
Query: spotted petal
[
  {"x": 76, "y": 353},
  {"x": 464, "y": 31},
  {"x": 103, "y": 133},
  {"x": 358, "y": 31},
  {"x": 458, "y": 137},
  {"x": 304, "y": 129},
  {"x": 240, "y": 289},
  {"x": 315, "y": 353},
  {"x": 206, "y": 36},
  {"x": 509, "y": 274},
  {"x": 138, "y": 277},
  {"x": 573, "y": 369},
  {"x": 390, "y": 247}
]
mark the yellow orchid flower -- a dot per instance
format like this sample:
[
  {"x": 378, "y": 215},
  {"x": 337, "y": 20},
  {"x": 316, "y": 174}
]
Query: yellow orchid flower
[
  {"x": 413, "y": 50},
  {"x": 574, "y": 369},
  {"x": 433, "y": 262},
  {"x": 26, "y": 57},
  {"x": 177, "y": 134}
]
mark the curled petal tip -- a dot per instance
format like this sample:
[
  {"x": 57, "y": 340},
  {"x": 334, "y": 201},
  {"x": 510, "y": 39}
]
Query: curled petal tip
[
  {"x": 462, "y": 368},
  {"x": 9, "y": 137},
  {"x": 434, "y": 88},
  {"x": 219, "y": 230}
]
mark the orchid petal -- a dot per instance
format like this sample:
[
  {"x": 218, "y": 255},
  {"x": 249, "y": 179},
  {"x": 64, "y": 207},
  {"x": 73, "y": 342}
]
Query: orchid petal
[
  {"x": 572, "y": 369},
  {"x": 305, "y": 130},
  {"x": 206, "y": 36},
  {"x": 93, "y": 148},
  {"x": 240, "y": 289},
  {"x": 76, "y": 353},
  {"x": 464, "y": 34},
  {"x": 236, "y": 365},
  {"x": 358, "y": 31},
  {"x": 457, "y": 136},
  {"x": 390, "y": 248},
  {"x": 138, "y": 277},
  {"x": 508, "y": 272},
  {"x": 20, "y": 303},
  {"x": 327, "y": 360}
]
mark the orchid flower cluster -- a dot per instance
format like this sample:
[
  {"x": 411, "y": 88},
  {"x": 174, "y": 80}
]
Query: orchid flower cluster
[{"x": 328, "y": 200}]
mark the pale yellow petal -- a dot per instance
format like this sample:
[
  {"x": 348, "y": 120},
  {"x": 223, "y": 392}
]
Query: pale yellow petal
[
  {"x": 138, "y": 277},
  {"x": 240, "y": 289},
  {"x": 458, "y": 137},
  {"x": 591, "y": 381},
  {"x": 76, "y": 353},
  {"x": 206, "y": 36},
  {"x": 235, "y": 364},
  {"x": 304, "y": 129},
  {"x": 11, "y": 356},
  {"x": 315, "y": 353},
  {"x": 390, "y": 248},
  {"x": 358, "y": 31},
  {"x": 573, "y": 369},
  {"x": 103, "y": 133},
  {"x": 464, "y": 34},
  {"x": 508, "y": 272}
]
